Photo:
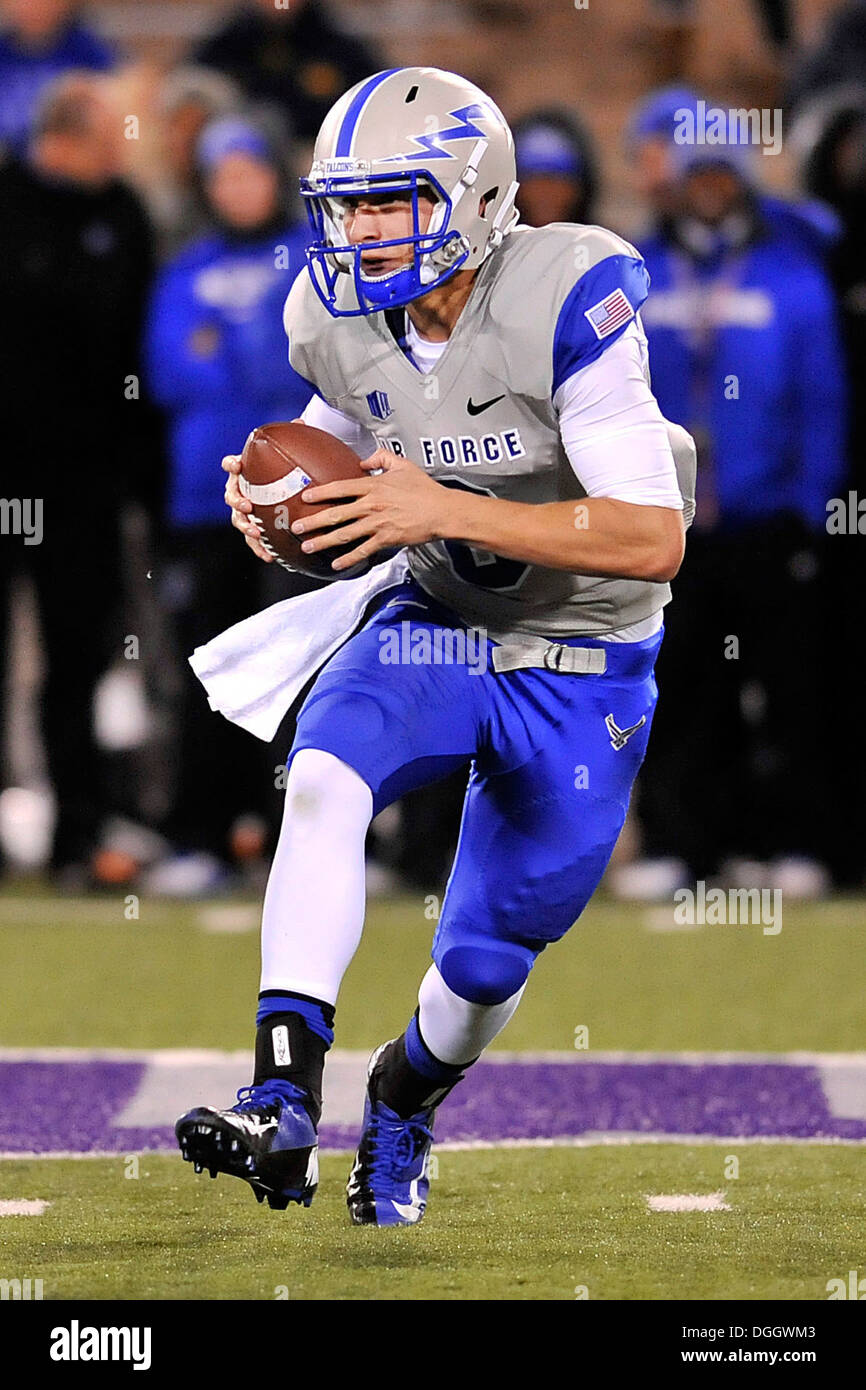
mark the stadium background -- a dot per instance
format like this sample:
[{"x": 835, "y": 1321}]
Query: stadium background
[{"x": 128, "y": 962}]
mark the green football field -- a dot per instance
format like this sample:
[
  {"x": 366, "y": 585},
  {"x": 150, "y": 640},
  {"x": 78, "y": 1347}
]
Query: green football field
[
  {"x": 534, "y": 1220},
  {"x": 76, "y": 972},
  {"x": 547, "y": 1224}
]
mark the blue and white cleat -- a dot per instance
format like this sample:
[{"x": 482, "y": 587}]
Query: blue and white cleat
[
  {"x": 267, "y": 1138},
  {"x": 389, "y": 1181}
]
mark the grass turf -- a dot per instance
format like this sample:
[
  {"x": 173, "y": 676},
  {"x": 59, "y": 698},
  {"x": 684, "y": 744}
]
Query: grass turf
[
  {"x": 519, "y": 1224},
  {"x": 78, "y": 973}
]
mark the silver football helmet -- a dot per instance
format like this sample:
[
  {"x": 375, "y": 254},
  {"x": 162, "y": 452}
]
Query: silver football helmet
[{"x": 403, "y": 131}]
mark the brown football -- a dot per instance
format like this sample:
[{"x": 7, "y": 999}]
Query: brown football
[{"x": 278, "y": 462}]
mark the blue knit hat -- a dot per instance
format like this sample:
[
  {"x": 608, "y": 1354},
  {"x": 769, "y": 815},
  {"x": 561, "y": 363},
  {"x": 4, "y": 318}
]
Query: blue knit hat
[
  {"x": 231, "y": 135},
  {"x": 542, "y": 149},
  {"x": 657, "y": 114}
]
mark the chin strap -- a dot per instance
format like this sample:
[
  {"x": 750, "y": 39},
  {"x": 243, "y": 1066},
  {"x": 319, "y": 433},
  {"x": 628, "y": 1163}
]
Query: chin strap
[{"x": 507, "y": 211}]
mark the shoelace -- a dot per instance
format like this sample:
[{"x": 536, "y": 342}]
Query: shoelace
[
  {"x": 266, "y": 1094},
  {"x": 394, "y": 1144}
]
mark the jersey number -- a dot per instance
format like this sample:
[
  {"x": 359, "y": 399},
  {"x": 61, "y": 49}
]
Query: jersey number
[{"x": 482, "y": 567}]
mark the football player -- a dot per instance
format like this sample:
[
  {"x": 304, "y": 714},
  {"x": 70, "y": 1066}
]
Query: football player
[{"x": 496, "y": 377}]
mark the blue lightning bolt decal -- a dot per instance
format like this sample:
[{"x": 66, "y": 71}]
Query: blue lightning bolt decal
[{"x": 431, "y": 145}]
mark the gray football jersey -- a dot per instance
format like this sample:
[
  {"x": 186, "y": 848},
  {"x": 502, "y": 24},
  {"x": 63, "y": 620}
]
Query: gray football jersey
[{"x": 544, "y": 304}]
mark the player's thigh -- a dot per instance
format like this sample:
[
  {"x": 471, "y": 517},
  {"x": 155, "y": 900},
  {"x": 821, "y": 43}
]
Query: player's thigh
[
  {"x": 388, "y": 709},
  {"x": 536, "y": 839}
]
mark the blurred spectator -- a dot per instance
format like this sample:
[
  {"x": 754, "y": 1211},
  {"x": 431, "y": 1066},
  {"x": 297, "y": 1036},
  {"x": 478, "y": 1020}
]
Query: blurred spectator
[
  {"x": 189, "y": 98},
  {"x": 556, "y": 166},
  {"x": 839, "y": 57},
  {"x": 651, "y": 145},
  {"x": 745, "y": 352},
  {"x": 774, "y": 16},
  {"x": 218, "y": 364},
  {"x": 676, "y": 46},
  {"x": 778, "y": 22},
  {"x": 830, "y": 137},
  {"x": 75, "y": 264},
  {"x": 297, "y": 56},
  {"x": 39, "y": 40}
]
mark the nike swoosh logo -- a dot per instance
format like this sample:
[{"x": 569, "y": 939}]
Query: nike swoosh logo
[
  {"x": 411, "y": 1214},
  {"x": 252, "y": 1123},
  {"x": 312, "y": 1178},
  {"x": 485, "y": 405},
  {"x": 407, "y": 603},
  {"x": 410, "y": 1211}
]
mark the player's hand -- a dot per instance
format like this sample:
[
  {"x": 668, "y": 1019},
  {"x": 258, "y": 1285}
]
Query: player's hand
[
  {"x": 241, "y": 507},
  {"x": 401, "y": 505}
]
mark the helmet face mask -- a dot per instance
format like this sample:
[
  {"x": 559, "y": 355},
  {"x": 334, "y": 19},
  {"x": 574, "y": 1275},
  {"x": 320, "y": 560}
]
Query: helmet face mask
[
  {"x": 437, "y": 251},
  {"x": 408, "y": 132}
]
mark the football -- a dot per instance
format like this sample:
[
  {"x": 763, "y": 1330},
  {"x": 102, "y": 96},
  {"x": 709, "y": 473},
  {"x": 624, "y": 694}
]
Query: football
[{"x": 278, "y": 462}]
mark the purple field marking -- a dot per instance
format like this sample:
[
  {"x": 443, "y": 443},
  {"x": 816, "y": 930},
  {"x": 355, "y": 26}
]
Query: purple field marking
[
  {"x": 70, "y": 1106},
  {"x": 540, "y": 1099}
]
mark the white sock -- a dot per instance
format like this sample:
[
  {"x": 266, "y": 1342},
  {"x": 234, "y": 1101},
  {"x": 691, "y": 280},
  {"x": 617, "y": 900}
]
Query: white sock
[
  {"x": 455, "y": 1030},
  {"x": 313, "y": 912}
]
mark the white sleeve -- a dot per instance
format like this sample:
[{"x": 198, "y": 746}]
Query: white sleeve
[
  {"x": 613, "y": 431},
  {"x": 324, "y": 417}
]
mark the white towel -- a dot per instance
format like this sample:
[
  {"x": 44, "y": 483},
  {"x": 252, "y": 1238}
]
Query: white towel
[{"x": 255, "y": 670}]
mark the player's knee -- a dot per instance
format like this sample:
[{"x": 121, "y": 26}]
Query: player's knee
[
  {"x": 358, "y": 714},
  {"x": 320, "y": 785},
  {"x": 485, "y": 974}
]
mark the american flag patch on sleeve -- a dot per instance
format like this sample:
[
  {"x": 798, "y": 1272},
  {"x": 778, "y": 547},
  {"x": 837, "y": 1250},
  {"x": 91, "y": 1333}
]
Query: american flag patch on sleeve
[{"x": 610, "y": 313}]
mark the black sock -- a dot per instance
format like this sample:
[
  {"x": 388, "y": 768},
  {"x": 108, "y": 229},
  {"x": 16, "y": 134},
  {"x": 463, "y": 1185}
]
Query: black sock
[
  {"x": 294, "y": 1032},
  {"x": 405, "y": 1089}
]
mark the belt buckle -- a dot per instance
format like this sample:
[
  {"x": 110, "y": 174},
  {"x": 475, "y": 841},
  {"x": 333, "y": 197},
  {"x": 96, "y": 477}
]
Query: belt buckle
[{"x": 553, "y": 657}]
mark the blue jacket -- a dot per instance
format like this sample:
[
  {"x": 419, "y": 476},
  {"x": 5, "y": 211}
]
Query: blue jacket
[
  {"x": 746, "y": 351},
  {"x": 810, "y": 224},
  {"x": 217, "y": 358},
  {"x": 24, "y": 72}
]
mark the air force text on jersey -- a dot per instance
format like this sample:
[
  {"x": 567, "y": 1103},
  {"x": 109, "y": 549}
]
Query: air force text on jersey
[{"x": 448, "y": 450}]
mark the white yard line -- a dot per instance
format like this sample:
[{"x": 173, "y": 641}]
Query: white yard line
[
  {"x": 566, "y": 1141},
  {"x": 688, "y": 1201}
]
